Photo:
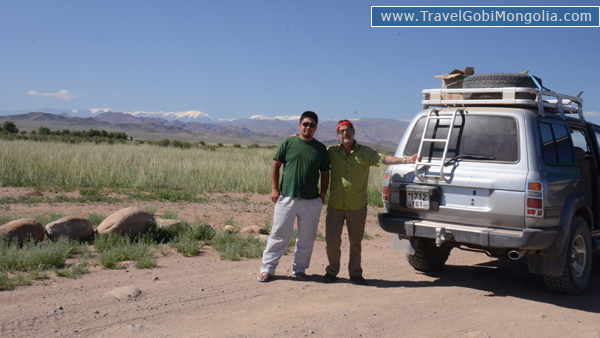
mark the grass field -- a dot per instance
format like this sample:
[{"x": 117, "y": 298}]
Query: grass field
[{"x": 68, "y": 167}]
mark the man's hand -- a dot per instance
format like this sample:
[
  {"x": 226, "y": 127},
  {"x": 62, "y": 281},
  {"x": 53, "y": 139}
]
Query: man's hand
[
  {"x": 323, "y": 197},
  {"x": 413, "y": 158},
  {"x": 274, "y": 195},
  {"x": 275, "y": 180}
]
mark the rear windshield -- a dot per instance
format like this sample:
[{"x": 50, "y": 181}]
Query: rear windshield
[{"x": 491, "y": 138}]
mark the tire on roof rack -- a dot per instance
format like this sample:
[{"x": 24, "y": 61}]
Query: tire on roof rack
[{"x": 499, "y": 80}]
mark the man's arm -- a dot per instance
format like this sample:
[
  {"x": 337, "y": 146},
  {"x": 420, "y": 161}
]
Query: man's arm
[
  {"x": 275, "y": 180},
  {"x": 400, "y": 160},
  {"x": 324, "y": 184}
]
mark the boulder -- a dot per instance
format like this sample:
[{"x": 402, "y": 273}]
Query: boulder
[
  {"x": 167, "y": 223},
  {"x": 255, "y": 229},
  {"x": 76, "y": 228},
  {"x": 23, "y": 228},
  {"x": 231, "y": 229},
  {"x": 125, "y": 293},
  {"x": 131, "y": 221}
]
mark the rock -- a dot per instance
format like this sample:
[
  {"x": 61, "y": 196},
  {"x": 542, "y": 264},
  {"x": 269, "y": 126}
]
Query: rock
[
  {"x": 258, "y": 230},
  {"x": 76, "y": 228},
  {"x": 23, "y": 228},
  {"x": 125, "y": 292},
  {"x": 231, "y": 229},
  {"x": 127, "y": 221},
  {"x": 167, "y": 223},
  {"x": 264, "y": 237},
  {"x": 255, "y": 229}
]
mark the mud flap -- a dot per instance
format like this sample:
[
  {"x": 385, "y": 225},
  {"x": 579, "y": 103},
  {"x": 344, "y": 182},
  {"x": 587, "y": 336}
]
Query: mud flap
[
  {"x": 547, "y": 265},
  {"x": 548, "y": 262},
  {"x": 403, "y": 245}
]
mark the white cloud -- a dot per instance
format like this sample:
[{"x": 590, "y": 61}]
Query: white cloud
[
  {"x": 591, "y": 113},
  {"x": 63, "y": 94}
]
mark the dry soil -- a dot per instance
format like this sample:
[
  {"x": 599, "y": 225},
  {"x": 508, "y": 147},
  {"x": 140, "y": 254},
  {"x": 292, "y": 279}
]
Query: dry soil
[{"x": 204, "y": 296}]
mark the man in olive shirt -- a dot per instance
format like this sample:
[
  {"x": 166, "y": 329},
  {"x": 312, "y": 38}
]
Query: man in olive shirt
[
  {"x": 304, "y": 161},
  {"x": 350, "y": 163}
]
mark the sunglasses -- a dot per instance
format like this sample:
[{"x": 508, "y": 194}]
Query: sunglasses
[
  {"x": 348, "y": 130},
  {"x": 309, "y": 124}
]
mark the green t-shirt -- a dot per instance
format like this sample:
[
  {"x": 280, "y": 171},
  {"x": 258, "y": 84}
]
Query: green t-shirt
[{"x": 303, "y": 161}]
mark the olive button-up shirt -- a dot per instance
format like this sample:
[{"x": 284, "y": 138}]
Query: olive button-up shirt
[{"x": 350, "y": 175}]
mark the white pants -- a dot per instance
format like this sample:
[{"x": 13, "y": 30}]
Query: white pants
[{"x": 287, "y": 209}]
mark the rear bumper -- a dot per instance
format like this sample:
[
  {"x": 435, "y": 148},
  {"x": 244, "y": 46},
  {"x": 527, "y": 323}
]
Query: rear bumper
[{"x": 531, "y": 239}]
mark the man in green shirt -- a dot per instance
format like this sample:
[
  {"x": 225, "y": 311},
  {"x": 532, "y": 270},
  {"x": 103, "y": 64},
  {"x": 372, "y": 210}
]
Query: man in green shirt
[
  {"x": 304, "y": 161},
  {"x": 350, "y": 163}
]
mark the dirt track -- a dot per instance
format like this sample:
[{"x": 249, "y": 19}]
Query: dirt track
[{"x": 203, "y": 296}]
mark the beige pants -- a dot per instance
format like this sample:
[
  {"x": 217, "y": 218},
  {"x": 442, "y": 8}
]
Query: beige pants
[{"x": 334, "y": 223}]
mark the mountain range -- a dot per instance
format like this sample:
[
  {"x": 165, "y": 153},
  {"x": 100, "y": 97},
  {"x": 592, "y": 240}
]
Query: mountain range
[{"x": 193, "y": 126}]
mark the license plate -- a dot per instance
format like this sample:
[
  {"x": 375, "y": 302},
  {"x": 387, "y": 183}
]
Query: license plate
[{"x": 417, "y": 200}]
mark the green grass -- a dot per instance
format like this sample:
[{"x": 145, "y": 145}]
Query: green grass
[
  {"x": 74, "y": 271},
  {"x": 188, "y": 240},
  {"x": 30, "y": 255},
  {"x": 68, "y": 167},
  {"x": 186, "y": 245},
  {"x": 233, "y": 246},
  {"x": 96, "y": 219},
  {"x": 48, "y": 218},
  {"x": 292, "y": 241},
  {"x": 171, "y": 214},
  {"x": 142, "y": 172},
  {"x": 114, "y": 249},
  {"x": 5, "y": 282}
]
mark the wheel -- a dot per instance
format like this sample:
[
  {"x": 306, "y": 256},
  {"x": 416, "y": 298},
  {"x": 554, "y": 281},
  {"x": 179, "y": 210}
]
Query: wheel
[
  {"x": 578, "y": 261},
  {"x": 500, "y": 80},
  {"x": 428, "y": 257}
]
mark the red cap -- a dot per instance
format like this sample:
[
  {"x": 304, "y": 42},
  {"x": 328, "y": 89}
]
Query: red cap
[{"x": 343, "y": 123}]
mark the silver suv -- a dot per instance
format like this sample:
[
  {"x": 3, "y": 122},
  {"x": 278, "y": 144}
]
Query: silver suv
[{"x": 508, "y": 168}]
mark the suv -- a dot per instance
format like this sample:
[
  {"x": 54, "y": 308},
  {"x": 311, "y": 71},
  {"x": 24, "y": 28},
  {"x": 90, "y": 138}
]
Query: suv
[{"x": 508, "y": 168}]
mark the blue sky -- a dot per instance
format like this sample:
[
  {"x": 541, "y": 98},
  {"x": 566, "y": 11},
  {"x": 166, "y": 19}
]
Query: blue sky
[{"x": 234, "y": 59}]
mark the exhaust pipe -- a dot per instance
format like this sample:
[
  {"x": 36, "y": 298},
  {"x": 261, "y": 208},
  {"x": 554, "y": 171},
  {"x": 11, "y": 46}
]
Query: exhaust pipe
[{"x": 518, "y": 253}]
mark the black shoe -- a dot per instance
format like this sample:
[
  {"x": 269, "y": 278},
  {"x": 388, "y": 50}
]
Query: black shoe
[
  {"x": 328, "y": 278},
  {"x": 358, "y": 280}
]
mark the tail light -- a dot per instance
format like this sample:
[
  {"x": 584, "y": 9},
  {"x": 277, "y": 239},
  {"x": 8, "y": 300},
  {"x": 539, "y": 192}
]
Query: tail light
[
  {"x": 386, "y": 189},
  {"x": 534, "y": 204}
]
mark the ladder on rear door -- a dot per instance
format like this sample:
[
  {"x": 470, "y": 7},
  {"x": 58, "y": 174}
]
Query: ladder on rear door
[{"x": 434, "y": 115}]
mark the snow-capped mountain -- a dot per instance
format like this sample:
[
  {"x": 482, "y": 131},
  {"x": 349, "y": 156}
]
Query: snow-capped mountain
[{"x": 185, "y": 116}]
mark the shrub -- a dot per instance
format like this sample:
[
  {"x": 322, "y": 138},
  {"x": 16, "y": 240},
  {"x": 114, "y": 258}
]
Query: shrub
[
  {"x": 233, "y": 246},
  {"x": 170, "y": 214},
  {"x": 96, "y": 219},
  {"x": 186, "y": 244},
  {"x": 32, "y": 255},
  {"x": 10, "y": 127},
  {"x": 115, "y": 249},
  {"x": 164, "y": 142}
]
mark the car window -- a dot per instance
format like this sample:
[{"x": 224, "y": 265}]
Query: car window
[
  {"x": 491, "y": 137},
  {"x": 579, "y": 140},
  {"x": 597, "y": 132},
  {"x": 556, "y": 144}
]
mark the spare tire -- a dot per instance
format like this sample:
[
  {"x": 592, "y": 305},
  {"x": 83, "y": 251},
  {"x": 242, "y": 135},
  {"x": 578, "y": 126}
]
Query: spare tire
[{"x": 500, "y": 80}]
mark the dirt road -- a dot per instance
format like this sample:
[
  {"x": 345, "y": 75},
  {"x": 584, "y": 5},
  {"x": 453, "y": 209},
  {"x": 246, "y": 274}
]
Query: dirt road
[{"x": 203, "y": 296}]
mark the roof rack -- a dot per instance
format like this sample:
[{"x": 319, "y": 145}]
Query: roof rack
[{"x": 546, "y": 102}]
